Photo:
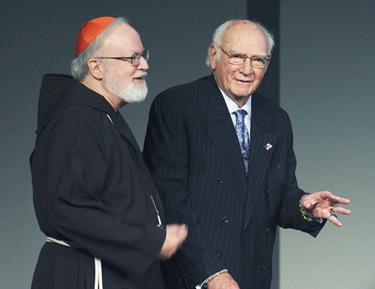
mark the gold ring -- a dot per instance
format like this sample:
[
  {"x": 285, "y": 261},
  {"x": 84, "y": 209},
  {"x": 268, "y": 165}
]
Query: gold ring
[{"x": 331, "y": 208}]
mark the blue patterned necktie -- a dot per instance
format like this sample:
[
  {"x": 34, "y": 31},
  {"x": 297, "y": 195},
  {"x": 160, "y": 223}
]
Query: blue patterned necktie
[{"x": 243, "y": 135}]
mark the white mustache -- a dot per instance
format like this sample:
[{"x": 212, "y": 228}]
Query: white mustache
[{"x": 142, "y": 74}]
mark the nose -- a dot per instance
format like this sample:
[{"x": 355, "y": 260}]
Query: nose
[
  {"x": 247, "y": 67},
  {"x": 143, "y": 64}
]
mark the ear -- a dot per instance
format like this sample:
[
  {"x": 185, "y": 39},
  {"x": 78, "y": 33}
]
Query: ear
[
  {"x": 95, "y": 68},
  {"x": 213, "y": 56}
]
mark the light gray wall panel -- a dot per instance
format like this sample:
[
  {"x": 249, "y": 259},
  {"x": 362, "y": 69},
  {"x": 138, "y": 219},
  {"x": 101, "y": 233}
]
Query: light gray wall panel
[{"x": 328, "y": 88}]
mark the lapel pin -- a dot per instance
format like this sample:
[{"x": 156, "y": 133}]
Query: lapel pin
[{"x": 268, "y": 146}]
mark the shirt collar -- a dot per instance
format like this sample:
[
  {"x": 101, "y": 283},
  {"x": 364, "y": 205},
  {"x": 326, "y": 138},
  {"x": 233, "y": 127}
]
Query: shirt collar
[{"x": 232, "y": 106}]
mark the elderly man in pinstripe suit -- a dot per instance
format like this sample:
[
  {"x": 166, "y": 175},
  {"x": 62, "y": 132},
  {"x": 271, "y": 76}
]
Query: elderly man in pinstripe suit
[{"x": 222, "y": 158}]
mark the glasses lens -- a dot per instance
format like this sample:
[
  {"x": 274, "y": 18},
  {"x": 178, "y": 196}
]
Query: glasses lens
[
  {"x": 257, "y": 62},
  {"x": 136, "y": 59},
  {"x": 237, "y": 60}
]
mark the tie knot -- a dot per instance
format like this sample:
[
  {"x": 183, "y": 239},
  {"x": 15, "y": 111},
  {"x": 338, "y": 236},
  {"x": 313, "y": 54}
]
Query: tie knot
[{"x": 240, "y": 113}]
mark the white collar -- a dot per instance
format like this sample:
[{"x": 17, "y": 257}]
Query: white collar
[{"x": 232, "y": 106}]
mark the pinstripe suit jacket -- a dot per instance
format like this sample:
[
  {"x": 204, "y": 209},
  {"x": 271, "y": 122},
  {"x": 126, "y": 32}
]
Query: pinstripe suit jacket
[{"x": 193, "y": 153}]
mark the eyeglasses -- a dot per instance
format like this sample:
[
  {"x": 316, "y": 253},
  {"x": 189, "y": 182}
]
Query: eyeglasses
[
  {"x": 135, "y": 59},
  {"x": 239, "y": 59}
]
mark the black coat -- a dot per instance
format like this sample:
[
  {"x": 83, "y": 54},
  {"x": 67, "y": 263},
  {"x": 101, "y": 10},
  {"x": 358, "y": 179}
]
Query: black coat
[
  {"x": 93, "y": 191},
  {"x": 193, "y": 153}
]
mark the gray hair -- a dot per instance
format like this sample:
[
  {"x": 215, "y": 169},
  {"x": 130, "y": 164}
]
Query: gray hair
[
  {"x": 79, "y": 67},
  {"x": 216, "y": 38}
]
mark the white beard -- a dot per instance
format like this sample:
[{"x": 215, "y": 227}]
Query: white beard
[{"x": 128, "y": 91}]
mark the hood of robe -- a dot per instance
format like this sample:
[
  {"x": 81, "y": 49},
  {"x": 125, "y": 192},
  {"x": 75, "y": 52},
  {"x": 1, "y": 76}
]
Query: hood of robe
[{"x": 59, "y": 91}]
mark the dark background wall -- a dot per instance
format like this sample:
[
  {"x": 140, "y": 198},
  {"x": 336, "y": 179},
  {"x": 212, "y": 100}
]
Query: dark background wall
[
  {"x": 326, "y": 85},
  {"x": 37, "y": 37}
]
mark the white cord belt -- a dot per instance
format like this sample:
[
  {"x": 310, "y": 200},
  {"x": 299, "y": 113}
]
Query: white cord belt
[{"x": 98, "y": 264}]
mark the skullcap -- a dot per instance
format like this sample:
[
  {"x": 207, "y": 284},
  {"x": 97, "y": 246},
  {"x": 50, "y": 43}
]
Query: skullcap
[{"x": 89, "y": 31}]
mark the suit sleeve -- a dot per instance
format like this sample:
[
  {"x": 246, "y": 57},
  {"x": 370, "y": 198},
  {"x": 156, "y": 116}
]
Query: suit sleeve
[
  {"x": 166, "y": 152},
  {"x": 290, "y": 215}
]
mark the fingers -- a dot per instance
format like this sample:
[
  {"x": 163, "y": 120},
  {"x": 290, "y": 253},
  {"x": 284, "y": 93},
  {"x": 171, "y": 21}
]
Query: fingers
[
  {"x": 340, "y": 210},
  {"x": 331, "y": 198},
  {"x": 334, "y": 220},
  {"x": 176, "y": 235},
  {"x": 334, "y": 210},
  {"x": 339, "y": 200},
  {"x": 324, "y": 204}
]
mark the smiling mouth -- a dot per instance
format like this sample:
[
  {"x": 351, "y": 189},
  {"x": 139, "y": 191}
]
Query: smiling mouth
[{"x": 243, "y": 81}]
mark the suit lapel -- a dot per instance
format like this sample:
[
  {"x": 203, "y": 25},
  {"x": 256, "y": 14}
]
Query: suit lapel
[
  {"x": 220, "y": 128},
  {"x": 262, "y": 144}
]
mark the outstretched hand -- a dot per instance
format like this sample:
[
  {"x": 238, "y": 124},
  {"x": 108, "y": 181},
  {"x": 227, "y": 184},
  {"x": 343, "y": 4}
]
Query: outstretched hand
[{"x": 324, "y": 205}]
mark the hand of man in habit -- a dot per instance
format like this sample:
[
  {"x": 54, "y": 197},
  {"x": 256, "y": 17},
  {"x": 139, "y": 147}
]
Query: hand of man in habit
[
  {"x": 176, "y": 235},
  {"x": 223, "y": 281},
  {"x": 324, "y": 205}
]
